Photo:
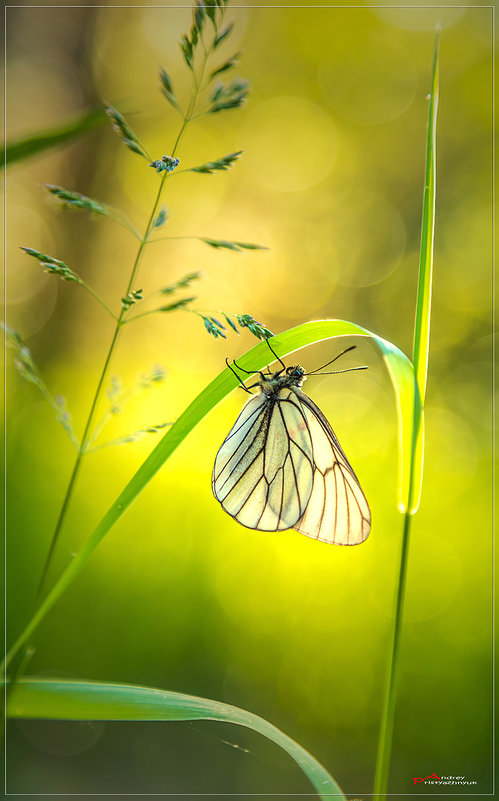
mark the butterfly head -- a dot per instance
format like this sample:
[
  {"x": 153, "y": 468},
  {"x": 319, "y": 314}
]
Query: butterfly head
[
  {"x": 288, "y": 377},
  {"x": 295, "y": 375}
]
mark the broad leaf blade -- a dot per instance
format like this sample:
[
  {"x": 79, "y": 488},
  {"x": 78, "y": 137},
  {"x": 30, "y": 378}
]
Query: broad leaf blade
[{"x": 88, "y": 700}]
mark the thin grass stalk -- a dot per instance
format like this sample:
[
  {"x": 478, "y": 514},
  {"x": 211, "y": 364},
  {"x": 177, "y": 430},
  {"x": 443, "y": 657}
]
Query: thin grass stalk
[
  {"x": 420, "y": 361},
  {"x": 385, "y": 740},
  {"x": 119, "y": 325},
  {"x": 40, "y": 602},
  {"x": 23, "y": 659},
  {"x": 388, "y": 714},
  {"x": 96, "y": 398},
  {"x": 18, "y": 669}
]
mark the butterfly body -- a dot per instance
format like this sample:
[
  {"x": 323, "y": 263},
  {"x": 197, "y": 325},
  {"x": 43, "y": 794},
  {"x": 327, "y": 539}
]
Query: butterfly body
[
  {"x": 290, "y": 377},
  {"x": 281, "y": 466}
]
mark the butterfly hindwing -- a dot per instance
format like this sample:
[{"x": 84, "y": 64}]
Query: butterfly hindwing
[
  {"x": 263, "y": 473},
  {"x": 337, "y": 511}
]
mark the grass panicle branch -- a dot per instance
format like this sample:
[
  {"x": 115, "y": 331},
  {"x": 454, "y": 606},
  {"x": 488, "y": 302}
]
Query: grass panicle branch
[
  {"x": 237, "y": 247},
  {"x": 218, "y": 329},
  {"x": 220, "y": 37},
  {"x": 218, "y": 244},
  {"x": 61, "y": 269},
  {"x": 128, "y": 438},
  {"x": 131, "y": 298},
  {"x": 182, "y": 283},
  {"x": 76, "y": 201},
  {"x": 213, "y": 325},
  {"x": 119, "y": 398},
  {"x": 223, "y": 163},
  {"x": 227, "y": 65},
  {"x": 228, "y": 96},
  {"x": 161, "y": 218},
  {"x": 51, "y": 265},
  {"x": 27, "y": 369},
  {"x": 122, "y": 129},
  {"x": 166, "y": 88}
]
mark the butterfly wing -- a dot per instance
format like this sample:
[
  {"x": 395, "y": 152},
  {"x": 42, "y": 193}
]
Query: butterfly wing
[
  {"x": 337, "y": 511},
  {"x": 263, "y": 472}
]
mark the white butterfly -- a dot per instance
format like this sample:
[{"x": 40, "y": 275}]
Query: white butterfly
[{"x": 281, "y": 465}]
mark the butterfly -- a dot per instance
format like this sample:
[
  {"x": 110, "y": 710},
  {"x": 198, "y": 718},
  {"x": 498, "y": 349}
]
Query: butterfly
[{"x": 281, "y": 465}]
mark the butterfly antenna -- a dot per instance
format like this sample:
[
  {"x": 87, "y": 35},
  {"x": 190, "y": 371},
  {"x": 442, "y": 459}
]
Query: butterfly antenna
[
  {"x": 335, "y": 372},
  {"x": 278, "y": 357},
  {"x": 347, "y": 350}
]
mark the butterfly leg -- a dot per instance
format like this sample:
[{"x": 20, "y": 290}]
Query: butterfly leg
[
  {"x": 275, "y": 354},
  {"x": 243, "y": 386},
  {"x": 248, "y": 372}
]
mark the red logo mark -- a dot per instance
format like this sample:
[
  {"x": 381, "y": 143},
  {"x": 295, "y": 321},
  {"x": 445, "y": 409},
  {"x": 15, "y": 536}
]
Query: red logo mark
[{"x": 433, "y": 776}]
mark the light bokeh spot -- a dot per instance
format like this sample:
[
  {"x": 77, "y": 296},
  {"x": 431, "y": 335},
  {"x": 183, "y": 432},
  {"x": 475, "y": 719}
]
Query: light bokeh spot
[
  {"x": 292, "y": 144},
  {"x": 368, "y": 78},
  {"x": 366, "y": 233},
  {"x": 434, "y": 576},
  {"x": 419, "y": 16}
]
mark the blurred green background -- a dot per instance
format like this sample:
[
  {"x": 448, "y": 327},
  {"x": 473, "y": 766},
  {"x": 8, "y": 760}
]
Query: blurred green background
[{"x": 179, "y": 596}]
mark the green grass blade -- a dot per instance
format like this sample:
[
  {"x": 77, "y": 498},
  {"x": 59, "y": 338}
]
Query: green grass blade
[
  {"x": 88, "y": 700},
  {"x": 25, "y": 148},
  {"x": 401, "y": 373},
  {"x": 414, "y": 448},
  {"x": 423, "y": 303}
]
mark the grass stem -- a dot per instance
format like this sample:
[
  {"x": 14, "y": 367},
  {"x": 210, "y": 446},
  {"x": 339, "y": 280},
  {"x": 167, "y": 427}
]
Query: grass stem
[
  {"x": 97, "y": 297},
  {"x": 96, "y": 398},
  {"x": 120, "y": 320},
  {"x": 76, "y": 468},
  {"x": 388, "y": 712},
  {"x": 87, "y": 430},
  {"x": 421, "y": 348}
]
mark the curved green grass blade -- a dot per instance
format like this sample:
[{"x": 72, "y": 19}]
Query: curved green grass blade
[
  {"x": 88, "y": 700},
  {"x": 402, "y": 376},
  {"x": 29, "y": 146},
  {"x": 415, "y": 449},
  {"x": 423, "y": 304},
  {"x": 421, "y": 344}
]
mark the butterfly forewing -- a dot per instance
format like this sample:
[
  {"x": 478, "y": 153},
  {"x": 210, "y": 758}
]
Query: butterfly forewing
[
  {"x": 263, "y": 472},
  {"x": 337, "y": 511}
]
